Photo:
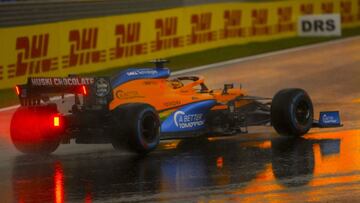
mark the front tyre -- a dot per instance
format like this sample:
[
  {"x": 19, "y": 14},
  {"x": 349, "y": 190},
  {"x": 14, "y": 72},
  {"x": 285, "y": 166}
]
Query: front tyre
[
  {"x": 138, "y": 128},
  {"x": 292, "y": 112},
  {"x": 32, "y": 130}
]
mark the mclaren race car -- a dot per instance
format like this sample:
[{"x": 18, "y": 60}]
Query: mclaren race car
[{"x": 138, "y": 107}]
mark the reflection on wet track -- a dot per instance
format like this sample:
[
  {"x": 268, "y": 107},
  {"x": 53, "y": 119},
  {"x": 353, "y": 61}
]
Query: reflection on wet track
[{"x": 274, "y": 169}]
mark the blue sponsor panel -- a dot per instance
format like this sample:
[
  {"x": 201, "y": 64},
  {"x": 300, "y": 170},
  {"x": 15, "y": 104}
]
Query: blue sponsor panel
[
  {"x": 329, "y": 118},
  {"x": 188, "y": 118},
  {"x": 139, "y": 73}
]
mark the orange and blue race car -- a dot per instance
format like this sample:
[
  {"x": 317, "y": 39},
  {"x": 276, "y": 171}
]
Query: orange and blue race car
[{"x": 138, "y": 107}]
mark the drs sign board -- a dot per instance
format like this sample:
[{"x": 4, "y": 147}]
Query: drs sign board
[{"x": 319, "y": 25}]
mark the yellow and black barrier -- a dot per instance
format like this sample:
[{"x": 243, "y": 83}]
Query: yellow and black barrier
[{"x": 94, "y": 44}]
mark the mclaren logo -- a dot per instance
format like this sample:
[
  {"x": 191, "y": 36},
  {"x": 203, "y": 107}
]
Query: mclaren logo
[{"x": 183, "y": 120}]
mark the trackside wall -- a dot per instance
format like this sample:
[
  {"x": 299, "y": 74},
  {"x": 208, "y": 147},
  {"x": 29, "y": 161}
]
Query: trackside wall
[{"x": 93, "y": 44}]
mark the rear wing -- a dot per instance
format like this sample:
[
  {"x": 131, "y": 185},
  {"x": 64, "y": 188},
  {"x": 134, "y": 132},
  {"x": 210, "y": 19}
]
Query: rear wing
[{"x": 40, "y": 89}]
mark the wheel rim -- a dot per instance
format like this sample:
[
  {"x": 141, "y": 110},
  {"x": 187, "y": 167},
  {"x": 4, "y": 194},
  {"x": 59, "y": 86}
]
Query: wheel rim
[
  {"x": 302, "y": 113},
  {"x": 149, "y": 127}
]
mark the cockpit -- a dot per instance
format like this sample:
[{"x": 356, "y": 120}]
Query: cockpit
[{"x": 188, "y": 83}]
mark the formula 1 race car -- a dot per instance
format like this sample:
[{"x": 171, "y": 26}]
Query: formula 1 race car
[{"x": 138, "y": 107}]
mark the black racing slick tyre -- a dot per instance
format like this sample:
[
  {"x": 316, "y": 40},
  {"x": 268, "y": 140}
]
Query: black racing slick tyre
[
  {"x": 32, "y": 130},
  {"x": 292, "y": 112},
  {"x": 137, "y": 128}
]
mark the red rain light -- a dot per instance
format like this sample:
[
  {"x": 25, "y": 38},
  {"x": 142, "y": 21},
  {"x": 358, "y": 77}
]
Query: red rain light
[
  {"x": 17, "y": 89},
  {"x": 56, "y": 121},
  {"x": 220, "y": 162},
  {"x": 84, "y": 90}
]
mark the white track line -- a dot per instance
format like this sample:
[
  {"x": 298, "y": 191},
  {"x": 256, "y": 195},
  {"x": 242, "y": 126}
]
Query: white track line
[
  {"x": 9, "y": 108},
  {"x": 234, "y": 61},
  {"x": 250, "y": 58}
]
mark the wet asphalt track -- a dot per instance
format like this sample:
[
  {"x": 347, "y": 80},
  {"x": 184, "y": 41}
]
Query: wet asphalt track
[{"x": 261, "y": 166}]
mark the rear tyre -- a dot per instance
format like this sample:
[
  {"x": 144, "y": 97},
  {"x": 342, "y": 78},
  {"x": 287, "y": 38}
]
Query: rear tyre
[
  {"x": 31, "y": 129},
  {"x": 138, "y": 128},
  {"x": 292, "y": 112}
]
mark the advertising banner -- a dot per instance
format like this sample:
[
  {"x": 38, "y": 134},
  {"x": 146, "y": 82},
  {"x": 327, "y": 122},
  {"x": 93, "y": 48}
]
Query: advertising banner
[{"x": 94, "y": 44}]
